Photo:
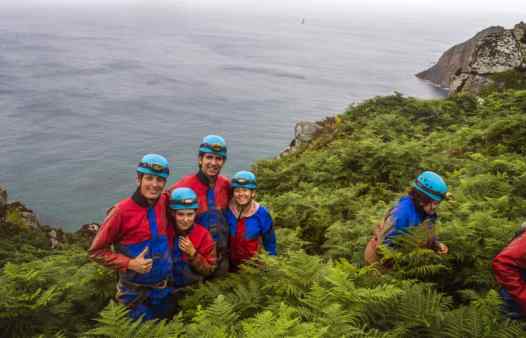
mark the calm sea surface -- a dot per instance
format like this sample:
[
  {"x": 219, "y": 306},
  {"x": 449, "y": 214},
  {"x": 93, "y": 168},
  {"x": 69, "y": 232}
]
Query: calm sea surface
[{"x": 85, "y": 93}]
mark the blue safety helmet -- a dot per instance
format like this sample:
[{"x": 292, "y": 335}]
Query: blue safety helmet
[
  {"x": 183, "y": 198},
  {"x": 244, "y": 179},
  {"x": 153, "y": 164},
  {"x": 432, "y": 185},
  {"x": 213, "y": 144}
]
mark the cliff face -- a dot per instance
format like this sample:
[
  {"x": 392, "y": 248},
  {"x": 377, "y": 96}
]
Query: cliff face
[{"x": 473, "y": 65}]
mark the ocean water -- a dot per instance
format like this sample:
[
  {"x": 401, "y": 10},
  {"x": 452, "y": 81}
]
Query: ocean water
[{"x": 85, "y": 92}]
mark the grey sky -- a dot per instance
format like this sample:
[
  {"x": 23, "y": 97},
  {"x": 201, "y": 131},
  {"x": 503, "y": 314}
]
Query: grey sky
[{"x": 289, "y": 5}]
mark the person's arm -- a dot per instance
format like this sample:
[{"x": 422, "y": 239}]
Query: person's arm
[
  {"x": 508, "y": 266},
  {"x": 268, "y": 234},
  {"x": 100, "y": 249},
  {"x": 205, "y": 258}
]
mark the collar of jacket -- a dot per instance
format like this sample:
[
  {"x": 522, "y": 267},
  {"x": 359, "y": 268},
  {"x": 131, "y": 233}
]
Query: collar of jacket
[
  {"x": 203, "y": 178},
  {"x": 248, "y": 211},
  {"x": 183, "y": 233},
  {"x": 138, "y": 198}
]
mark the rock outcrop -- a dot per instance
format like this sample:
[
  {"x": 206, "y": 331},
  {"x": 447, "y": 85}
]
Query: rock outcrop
[
  {"x": 304, "y": 132},
  {"x": 470, "y": 66},
  {"x": 25, "y": 217},
  {"x": 19, "y": 218}
]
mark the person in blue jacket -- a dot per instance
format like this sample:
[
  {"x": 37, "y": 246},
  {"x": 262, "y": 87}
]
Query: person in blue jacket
[
  {"x": 415, "y": 209},
  {"x": 250, "y": 224}
]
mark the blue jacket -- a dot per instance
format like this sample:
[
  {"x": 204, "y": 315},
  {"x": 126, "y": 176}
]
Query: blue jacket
[
  {"x": 249, "y": 233},
  {"x": 405, "y": 216}
]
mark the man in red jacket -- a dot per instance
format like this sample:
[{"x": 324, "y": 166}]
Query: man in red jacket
[
  {"x": 510, "y": 271},
  {"x": 213, "y": 194},
  {"x": 137, "y": 229}
]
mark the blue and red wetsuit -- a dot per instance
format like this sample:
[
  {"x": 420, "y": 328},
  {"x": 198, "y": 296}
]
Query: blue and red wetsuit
[
  {"x": 213, "y": 201},
  {"x": 188, "y": 270},
  {"x": 249, "y": 232},
  {"x": 510, "y": 272},
  {"x": 131, "y": 226}
]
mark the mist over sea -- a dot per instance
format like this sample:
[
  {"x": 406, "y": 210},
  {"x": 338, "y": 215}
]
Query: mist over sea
[{"x": 86, "y": 91}]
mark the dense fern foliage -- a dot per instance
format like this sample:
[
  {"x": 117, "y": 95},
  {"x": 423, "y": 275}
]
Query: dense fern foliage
[{"x": 325, "y": 199}]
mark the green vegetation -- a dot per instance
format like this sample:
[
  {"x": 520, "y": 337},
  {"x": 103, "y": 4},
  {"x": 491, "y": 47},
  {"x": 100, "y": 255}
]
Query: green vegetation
[
  {"x": 511, "y": 79},
  {"x": 326, "y": 198}
]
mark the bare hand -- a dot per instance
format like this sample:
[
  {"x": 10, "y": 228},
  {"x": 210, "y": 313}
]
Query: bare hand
[
  {"x": 442, "y": 249},
  {"x": 140, "y": 264},
  {"x": 185, "y": 244}
]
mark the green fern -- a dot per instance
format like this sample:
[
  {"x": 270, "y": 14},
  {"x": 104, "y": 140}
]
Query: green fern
[{"x": 114, "y": 322}]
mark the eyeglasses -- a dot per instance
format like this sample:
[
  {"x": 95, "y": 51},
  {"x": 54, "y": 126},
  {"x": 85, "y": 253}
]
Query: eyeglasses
[
  {"x": 216, "y": 147},
  {"x": 158, "y": 168}
]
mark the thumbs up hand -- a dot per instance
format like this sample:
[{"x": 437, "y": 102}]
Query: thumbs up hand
[{"x": 140, "y": 264}]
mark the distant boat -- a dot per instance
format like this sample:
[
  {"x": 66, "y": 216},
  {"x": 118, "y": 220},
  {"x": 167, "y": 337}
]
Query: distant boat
[{"x": 302, "y": 21}]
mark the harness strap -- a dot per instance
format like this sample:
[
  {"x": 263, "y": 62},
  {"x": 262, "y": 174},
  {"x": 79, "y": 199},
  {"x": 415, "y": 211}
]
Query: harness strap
[{"x": 135, "y": 286}]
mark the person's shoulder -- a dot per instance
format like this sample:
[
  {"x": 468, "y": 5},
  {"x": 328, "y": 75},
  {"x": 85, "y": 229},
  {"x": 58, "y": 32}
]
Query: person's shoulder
[
  {"x": 123, "y": 205},
  {"x": 200, "y": 231},
  {"x": 184, "y": 181},
  {"x": 118, "y": 209},
  {"x": 262, "y": 210},
  {"x": 404, "y": 208},
  {"x": 263, "y": 214},
  {"x": 223, "y": 180}
]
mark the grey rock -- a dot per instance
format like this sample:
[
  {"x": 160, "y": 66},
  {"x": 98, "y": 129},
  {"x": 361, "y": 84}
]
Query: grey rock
[
  {"x": 468, "y": 66},
  {"x": 519, "y": 32},
  {"x": 497, "y": 51},
  {"x": 304, "y": 132},
  {"x": 27, "y": 216}
]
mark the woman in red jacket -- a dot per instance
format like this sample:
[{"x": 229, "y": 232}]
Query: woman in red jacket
[
  {"x": 194, "y": 251},
  {"x": 510, "y": 271},
  {"x": 250, "y": 224}
]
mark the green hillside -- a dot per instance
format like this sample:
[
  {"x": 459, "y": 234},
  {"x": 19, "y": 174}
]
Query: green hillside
[{"x": 325, "y": 199}]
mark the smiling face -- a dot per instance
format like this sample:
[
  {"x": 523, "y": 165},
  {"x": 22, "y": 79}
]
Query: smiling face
[
  {"x": 211, "y": 164},
  {"x": 184, "y": 218},
  {"x": 150, "y": 186},
  {"x": 243, "y": 196}
]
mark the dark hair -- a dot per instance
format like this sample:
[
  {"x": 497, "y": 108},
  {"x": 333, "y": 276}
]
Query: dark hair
[{"x": 419, "y": 198}]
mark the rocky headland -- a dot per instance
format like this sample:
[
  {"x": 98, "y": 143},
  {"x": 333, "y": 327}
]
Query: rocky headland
[
  {"x": 493, "y": 59},
  {"x": 16, "y": 218}
]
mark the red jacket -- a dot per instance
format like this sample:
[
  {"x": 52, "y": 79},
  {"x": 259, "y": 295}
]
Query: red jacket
[
  {"x": 188, "y": 270},
  {"x": 126, "y": 224},
  {"x": 508, "y": 266}
]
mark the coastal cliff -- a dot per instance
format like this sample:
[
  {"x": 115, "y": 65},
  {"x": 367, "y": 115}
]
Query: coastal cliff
[{"x": 493, "y": 59}]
